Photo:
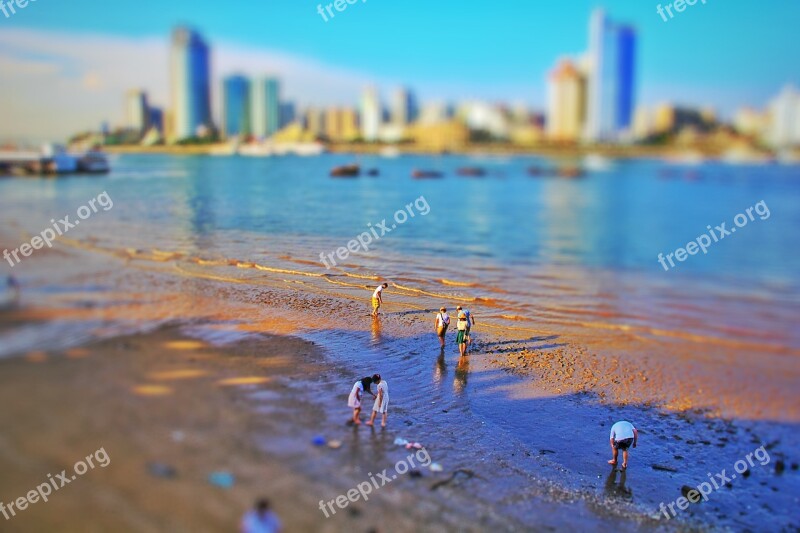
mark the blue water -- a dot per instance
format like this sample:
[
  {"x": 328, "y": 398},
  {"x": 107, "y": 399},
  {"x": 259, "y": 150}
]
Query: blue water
[{"x": 619, "y": 220}]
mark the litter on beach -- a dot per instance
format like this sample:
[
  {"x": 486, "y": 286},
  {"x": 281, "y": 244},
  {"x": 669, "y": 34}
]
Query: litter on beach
[
  {"x": 435, "y": 467},
  {"x": 319, "y": 440},
  {"x": 223, "y": 480},
  {"x": 400, "y": 442}
]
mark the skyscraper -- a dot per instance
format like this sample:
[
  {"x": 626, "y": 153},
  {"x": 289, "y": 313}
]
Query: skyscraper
[
  {"x": 266, "y": 107},
  {"x": 404, "y": 107},
  {"x": 371, "y": 114},
  {"x": 137, "y": 112},
  {"x": 784, "y": 110},
  {"x": 566, "y": 97},
  {"x": 190, "y": 71},
  {"x": 236, "y": 106},
  {"x": 612, "y": 57}
]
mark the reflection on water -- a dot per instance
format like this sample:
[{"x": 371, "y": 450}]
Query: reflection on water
[
  {"x": 440, "y": 369},
  {"x": 616, "y": 490},
  {"x": 461, "y": 375}
]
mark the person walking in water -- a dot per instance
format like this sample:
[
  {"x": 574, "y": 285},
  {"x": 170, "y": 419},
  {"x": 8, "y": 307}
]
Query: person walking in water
[
  {"x": 461, "y": 338},
  {"x": 381, "y": 401},
  {"x": 470, "y": 323},
  {"x": 623, "y": 435},
  {"x": 356, "y": 395},
  {"x": 377, "y": 298},
  {"x": 440, "y": 325}
]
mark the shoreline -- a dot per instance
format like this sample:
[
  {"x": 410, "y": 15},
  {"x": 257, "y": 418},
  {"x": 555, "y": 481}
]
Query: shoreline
[{"x": 554, "y": 151}]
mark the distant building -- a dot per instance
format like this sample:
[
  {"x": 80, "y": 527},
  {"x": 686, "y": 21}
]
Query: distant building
[
  {"x": 314, "y": 122},
  {"x": 404, "y": 107},
  {"x": 751, "y": 122},
  {"x": 371, "y": 114},
  {"x": 341, "y": 124},
  {"x": 236, "y": 106},
  {"x": 566, "y": 102},
  {"x": 435, "y": 112},
  {"x": 611, "y": 87},
  {"x": 190, "y": 71},
  {"x": 485, "y": 118},
  {"x": 451, "y": 135},
  {"x": 287, "y": 114},
  {"x": 137, "y": 111},
  {"x": 156, "y": 119},
  {"x": 642, "y": 123},
  {"x": 671, "y": 119},
  {"x": 784, "y": 109},
  {"x": 266, "y": 107}
]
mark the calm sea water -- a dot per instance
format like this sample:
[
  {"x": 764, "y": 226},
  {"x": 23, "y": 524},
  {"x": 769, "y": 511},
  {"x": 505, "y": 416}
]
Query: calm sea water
[{"x": 618, "y": 220}]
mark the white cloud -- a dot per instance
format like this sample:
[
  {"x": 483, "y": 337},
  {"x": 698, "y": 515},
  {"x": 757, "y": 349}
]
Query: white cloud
[{"x": 60, "y": 83}]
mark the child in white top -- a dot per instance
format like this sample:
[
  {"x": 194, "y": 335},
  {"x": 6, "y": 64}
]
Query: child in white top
[{"x": 381, "y": 401}]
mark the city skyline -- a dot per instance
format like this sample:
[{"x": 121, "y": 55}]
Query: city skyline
[{"x": 89, "y": 67}]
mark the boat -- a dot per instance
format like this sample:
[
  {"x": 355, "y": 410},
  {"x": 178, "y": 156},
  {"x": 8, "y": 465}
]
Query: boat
[
  {"x": 471, "y": 172},
  {"x": 94, "y": 162},
  {"x": 426, "y": 174},
  {"x": 346, "y": 171},
  {"x": 536, "y": 171},
  {"x": 570, "y": 172}
]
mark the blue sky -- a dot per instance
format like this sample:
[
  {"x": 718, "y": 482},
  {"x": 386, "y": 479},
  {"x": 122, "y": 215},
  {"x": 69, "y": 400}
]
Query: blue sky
[{"x": 725, "y": 54}]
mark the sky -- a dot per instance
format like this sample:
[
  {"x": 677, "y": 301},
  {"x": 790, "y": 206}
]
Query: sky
[{"x": 65, "y": 66}]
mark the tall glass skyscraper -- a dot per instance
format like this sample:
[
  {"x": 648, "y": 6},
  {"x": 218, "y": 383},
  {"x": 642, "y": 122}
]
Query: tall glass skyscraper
[
  {"x": 236, "y": 106},
  {"x": 190, "y": 71},
  {"x": 266, "y": 107},
  {"x": 612, "y": 57}
]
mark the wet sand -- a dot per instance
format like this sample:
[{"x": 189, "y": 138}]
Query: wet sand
[{"x": 164, "y": 401}]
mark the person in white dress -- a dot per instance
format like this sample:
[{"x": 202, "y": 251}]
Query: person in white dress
[
  {"x": 356, "y": 394},
  {"x": 381, "y": 400}
]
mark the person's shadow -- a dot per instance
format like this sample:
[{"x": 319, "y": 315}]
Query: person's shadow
[
  {"x": 376, "y": 330},
  {"x": 614, "y": 490},
  {"x": 462, "y": 373},
  {"x": 440, "y": 370}
]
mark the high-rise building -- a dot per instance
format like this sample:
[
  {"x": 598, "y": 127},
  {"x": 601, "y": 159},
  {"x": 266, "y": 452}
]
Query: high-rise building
[
  {"x": 371, "y": 114},
  {"x": 314, "y": 121},
  {"x": 137, "y": 112},
  {"x": 266, "y": 107},
  {"x": 784, "y": 130},
  {"x": 404, "y": 107},
  {"x": 236, "y": 106},
  {"x": 611, "y": 87},
  {"x": 190, "y": 70},
  {"x": 566, "y": 102}
]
